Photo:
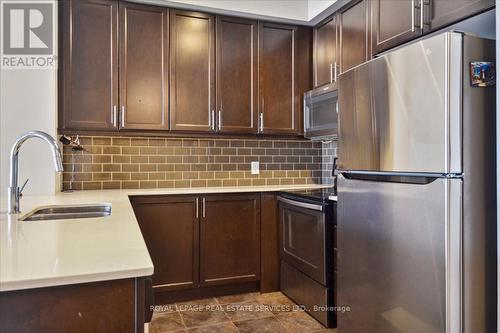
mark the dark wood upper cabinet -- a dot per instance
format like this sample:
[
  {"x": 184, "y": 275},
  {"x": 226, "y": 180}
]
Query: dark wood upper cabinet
[
  {"x": 237, "y": 74},
  {"x": 278, "y": 112},
  {"x": 192, "y": 71},
  {"x": 173, "y": 243},
  {"x": 444, "y": 12},
  {"x": 354, "y": 35},
  {"x": 394, "y": 22},
  {"x": 88, "y": 86},
  {"x": 143, "y": 67},
  {"x": 230, "y": 239},
  {"x": 325, "y": 51}
]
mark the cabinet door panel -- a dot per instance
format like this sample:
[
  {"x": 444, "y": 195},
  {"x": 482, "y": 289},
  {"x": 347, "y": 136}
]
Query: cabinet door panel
[
  {"x": 237, "y": 75},
  {"x": 230, "y": 239},
  {"x": 89, "y": 84},
  {"x": 325, "y": 51},
  {"x": 394, "y": 22},
  {"x": 354, "y": 48},
  {"x": 192, "y": 97},
  {"x": 276, "y": 76},
  {"x": 170, "y": 229},
  {"x": 445, "y": 12},
  {"x": 143, "y": 66}
]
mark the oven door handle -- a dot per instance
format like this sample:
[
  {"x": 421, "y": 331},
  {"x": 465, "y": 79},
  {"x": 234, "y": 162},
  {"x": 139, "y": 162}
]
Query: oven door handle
[{"x": 301, "y": 204}]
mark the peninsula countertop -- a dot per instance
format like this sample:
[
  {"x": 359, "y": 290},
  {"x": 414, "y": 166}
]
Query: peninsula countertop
[{"x": 35, "y": 254}]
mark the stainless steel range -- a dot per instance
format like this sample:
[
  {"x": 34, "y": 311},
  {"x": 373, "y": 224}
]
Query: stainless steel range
[{"x": 307, "y": 251}]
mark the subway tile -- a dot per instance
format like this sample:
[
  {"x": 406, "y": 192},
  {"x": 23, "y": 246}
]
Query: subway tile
[
  {"x": 214, "y": 182},
  {"x": 156, "y": 159},
  {"x": 121, "y": 176},
  {"x": 100, "y": 141},
  {"x": 132, "y": 162},
  {"x": 130, "y": 184},
  {"x": 100, "y": 176},
  {"x": 190, "y": 175},
  {"x": 111, "y": 150},
  {"x": 90, "y": 167},
  {"x": 165, "y": 183},
  {"x": 156, "y": 142},
  {"x": 120, "y": 141},
  {"x": 111, "y": 185},
  {"x": 199, "y": 183},
  {"x": 228, "y": 167},
  {"x": 258, "y": 182},
  {"x": 182, "y": 167},
  {"x": 121, "y": 159},
  {"x": 128, "y": 167},
  {"x": 148, "y": 184},
  {"x": 182, "y": 183},
  {"x": 148, "y": 150},
  {"x": 147, "y": 167},
  {"x": 165, "y": 167},
  {"x": 92, "y": 186},
  {"x": 230, "y": 182},
  {"x": 221, "y": 143},
  {"x": 244, "y": 182},
  {"x": 83, "y": 158},
  {"x": 156, "y": 175},
  {"x": 198, "y": 167},
  {"x": 130, "y": 150},
  {"x": 139, "y": 142},
  {"x": 112, "y": 167},
  {"x": 139, "y": 159}
]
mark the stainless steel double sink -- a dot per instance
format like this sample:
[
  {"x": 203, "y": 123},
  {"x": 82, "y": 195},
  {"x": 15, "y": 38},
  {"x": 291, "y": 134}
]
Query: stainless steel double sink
[{"x": 63, "y": 212}]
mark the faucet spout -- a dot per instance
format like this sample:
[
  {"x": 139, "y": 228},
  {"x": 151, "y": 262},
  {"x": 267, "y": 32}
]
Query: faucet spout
[{"x": 14, "y": 192}]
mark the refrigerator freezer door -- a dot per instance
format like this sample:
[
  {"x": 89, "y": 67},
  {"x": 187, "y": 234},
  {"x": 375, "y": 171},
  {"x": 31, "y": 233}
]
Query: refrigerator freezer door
[
  {"x": 401, "y": 112},
  {"x": 399, "y": 256}
]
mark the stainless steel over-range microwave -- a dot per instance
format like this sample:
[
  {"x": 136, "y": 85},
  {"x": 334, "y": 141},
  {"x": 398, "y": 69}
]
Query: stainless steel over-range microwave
[{"x": 321, "y": 113}]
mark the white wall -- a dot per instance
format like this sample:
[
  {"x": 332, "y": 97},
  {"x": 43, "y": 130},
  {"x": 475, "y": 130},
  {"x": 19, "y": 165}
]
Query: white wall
[
  {"x": 315, "y": 7},
  {"x": 28, "y": 101},
  {"x": 300, "y": 11}
]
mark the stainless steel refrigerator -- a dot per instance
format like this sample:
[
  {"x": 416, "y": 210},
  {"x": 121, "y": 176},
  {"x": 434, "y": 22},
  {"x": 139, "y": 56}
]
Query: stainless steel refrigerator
[{"x": 416, "y": 191}]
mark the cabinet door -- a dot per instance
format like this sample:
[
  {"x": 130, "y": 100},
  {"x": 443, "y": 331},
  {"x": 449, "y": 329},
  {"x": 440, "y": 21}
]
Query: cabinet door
[
  {"x": 354, "y": 46},
  {"x": 170, "y": 229},
  {"x": 445, "y": 12},
  {"x": 230, "y": 239},
  {"x": 143, "y": 67},
  {"x": 325, "y": 51},
  {"x": 236, "y": 75},
  {"x": 192, "y": 60},
  {"x": 278, "y": 114},
  {"x": 394, "y": 22},
  {"x": 89, "y": 77}
]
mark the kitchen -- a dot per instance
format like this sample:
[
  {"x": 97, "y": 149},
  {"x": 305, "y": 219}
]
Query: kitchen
[{"x": 249, "y": 166}]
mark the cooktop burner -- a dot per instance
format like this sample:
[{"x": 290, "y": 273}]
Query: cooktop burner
[{"x": 318, "y": 195}]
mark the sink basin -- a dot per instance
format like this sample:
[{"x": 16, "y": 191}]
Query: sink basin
[{"x": 68, "y": 212}]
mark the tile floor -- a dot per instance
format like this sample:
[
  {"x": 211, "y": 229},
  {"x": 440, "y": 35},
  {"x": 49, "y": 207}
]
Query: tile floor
[{"x": 244, "y": 313}]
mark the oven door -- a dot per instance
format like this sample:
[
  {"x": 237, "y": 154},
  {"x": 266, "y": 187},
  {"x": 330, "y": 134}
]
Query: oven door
[
  {"x": 303, "y": 237},
  {"x": 321, "y": 113}
]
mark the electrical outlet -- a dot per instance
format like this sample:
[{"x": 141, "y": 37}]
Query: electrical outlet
[{"x": 255, "y": 167}]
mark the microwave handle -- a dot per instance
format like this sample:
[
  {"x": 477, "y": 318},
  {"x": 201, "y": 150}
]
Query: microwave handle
[{"x": 307, "y": 110}]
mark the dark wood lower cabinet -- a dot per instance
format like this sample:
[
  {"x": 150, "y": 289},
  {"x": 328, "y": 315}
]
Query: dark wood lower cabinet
[
  {"x": 269, "y": 245},
  {"x": 115, "y": 306},
  {"x": 230, "y": 239},
  {"x": 169, "y": 225},
  {"x": 210, "y": 245}
]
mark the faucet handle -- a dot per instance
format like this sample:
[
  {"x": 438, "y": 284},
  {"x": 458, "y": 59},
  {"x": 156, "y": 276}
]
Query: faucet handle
[{"x": 22, "y": 187}]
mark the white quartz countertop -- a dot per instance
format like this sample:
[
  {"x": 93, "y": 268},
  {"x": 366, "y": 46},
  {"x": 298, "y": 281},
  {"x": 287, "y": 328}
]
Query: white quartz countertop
[{"x": 36, "y": 254}]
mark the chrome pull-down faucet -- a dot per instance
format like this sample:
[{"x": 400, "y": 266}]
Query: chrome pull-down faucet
[{"x": 14, "y": 191}]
